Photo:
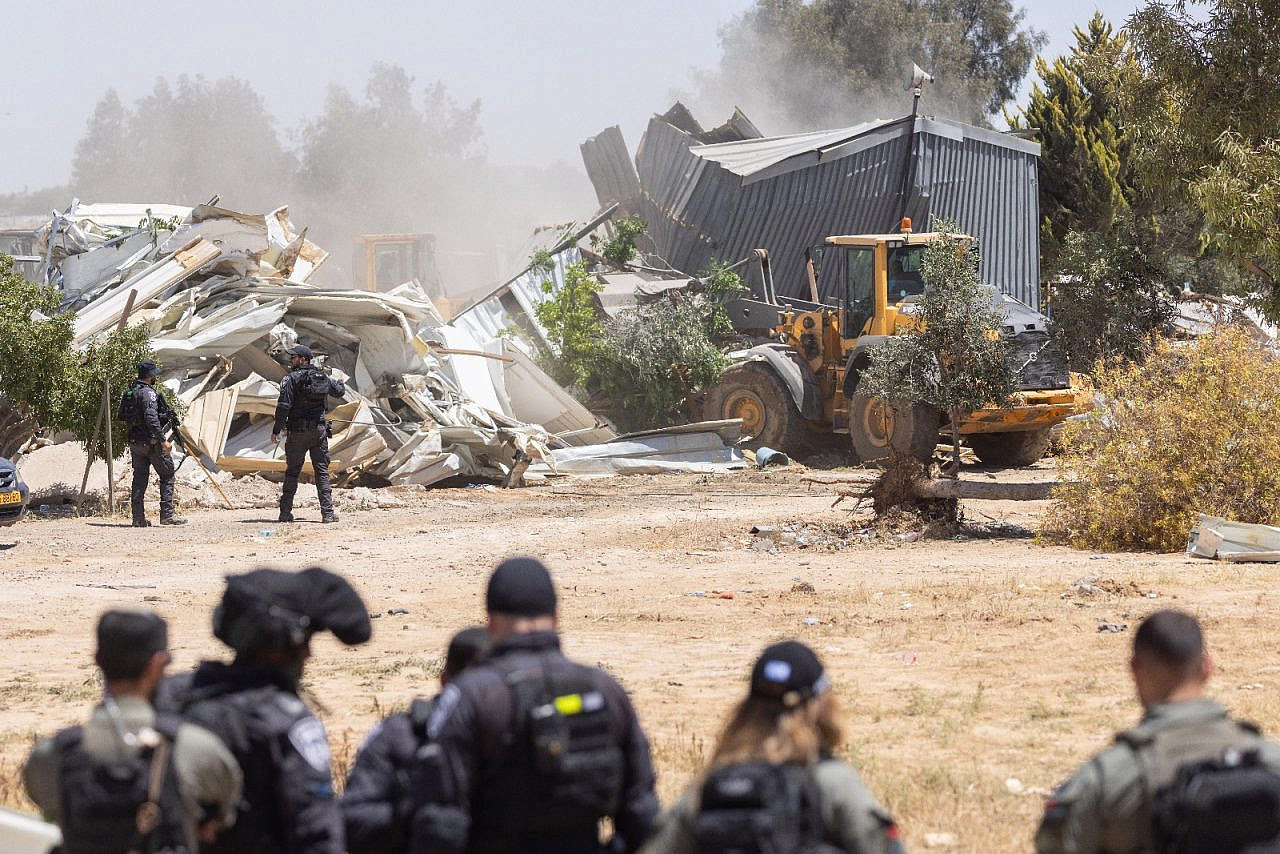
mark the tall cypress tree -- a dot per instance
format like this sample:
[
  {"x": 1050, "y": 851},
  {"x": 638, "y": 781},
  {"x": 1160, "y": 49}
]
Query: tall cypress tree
[{"x": 1084, "y": 179}]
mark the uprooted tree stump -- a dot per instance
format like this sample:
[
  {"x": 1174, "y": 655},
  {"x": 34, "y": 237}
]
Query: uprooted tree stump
[{"x": 905, "y": 482}]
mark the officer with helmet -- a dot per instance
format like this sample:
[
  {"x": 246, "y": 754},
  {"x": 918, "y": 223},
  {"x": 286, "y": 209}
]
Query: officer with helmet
[
  {"x": 267, "y": 617},
  {"x": 300, "y": 413},
  {"x": 529, "y": 750}
]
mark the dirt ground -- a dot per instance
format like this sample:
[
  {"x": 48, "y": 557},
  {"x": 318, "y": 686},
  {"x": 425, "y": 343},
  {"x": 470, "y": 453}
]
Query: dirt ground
[{"x": 973, "y": 672}]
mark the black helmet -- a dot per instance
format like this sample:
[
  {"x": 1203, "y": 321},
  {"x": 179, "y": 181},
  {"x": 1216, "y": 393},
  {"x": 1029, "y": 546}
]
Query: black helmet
[{"x": 273, "y": 609}]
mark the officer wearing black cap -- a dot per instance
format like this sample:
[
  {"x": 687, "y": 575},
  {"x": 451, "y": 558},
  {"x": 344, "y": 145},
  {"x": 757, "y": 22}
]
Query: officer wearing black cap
[
  {"x": 300, "y": 412},
  {"x": 375, "y": 801},
  {"x": 774, "y": 784},
  {"x": 132, "y": 779},
  {"x": 149, "y": 419},
  {"x": 268, "y": 617},
  {"x": 529, "y": 749}
]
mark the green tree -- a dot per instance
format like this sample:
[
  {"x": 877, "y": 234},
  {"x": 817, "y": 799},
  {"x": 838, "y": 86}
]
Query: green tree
[
  {"x": 1202, "y": 116},
  {"x": 1085, "y": 185},
  {"x": 184, "y": 142},
  {"x": 572, "y": 321},
  {"x": 954, "y": 358},
  {"x": 49, "y": 382},
  {"x": 826, "y": 62},
  {"x": 1110, "y": 299},
  {"x": 622, "y": 247}
]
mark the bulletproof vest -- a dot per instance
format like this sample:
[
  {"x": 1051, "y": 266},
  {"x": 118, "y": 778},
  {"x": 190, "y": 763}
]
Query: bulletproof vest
[
  {"x": 760, "y": 808},
  {"x": 1207, "y": 789},
  {"x": 564, "y": 763},
  {"x": 245, "y": 722},
  {"x": 130, "y": 805}
]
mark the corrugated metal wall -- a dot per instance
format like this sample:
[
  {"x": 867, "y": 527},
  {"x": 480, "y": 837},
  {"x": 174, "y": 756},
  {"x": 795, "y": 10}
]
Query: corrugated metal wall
[{"x": 698, "y": 211}]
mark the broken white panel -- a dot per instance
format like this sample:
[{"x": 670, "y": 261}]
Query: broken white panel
[
  {"x": 538, "y": 399},
  {"x": 387, "y": 351},
  {"x": 470, "y": 373},
  {"x": 420, "y": 453},
  {"x": 1237, "y": 542},
  {"x": 149, "y": 284},
  {"x": 223, "y": 333},
  {"x": 87, "y": 270},
  {"x": 703, "y": 452},
  {"x": 21, "y": 833},
  {"x": 257, "y": 396},
  {"x": 514, "y": 305},
  {"x": 355, "y": 440},
  {"x": 208, "y": 420}
]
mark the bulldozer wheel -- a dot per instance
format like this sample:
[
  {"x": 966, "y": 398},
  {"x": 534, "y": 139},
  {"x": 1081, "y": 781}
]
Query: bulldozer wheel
[
  {"x": 1017, "y": 448},
  {"x": 875, "y": 425},
  {"x": 753, "y": 392}
]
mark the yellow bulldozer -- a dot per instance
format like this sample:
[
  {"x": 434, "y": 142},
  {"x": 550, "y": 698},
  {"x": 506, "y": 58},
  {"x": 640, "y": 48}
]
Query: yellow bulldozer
[{"x": 796, "y": 387}]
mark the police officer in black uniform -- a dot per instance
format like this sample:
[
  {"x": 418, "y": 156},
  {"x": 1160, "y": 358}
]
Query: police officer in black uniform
[
  {"x": 375, "y": 800},
  {"x": 268, "y": 617},
  {"x": 300, "y": 411},
  {"x": 149, "y": 419},
  {"x": 529, "y": 749}
]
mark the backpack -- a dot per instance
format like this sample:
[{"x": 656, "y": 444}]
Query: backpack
[
  {"x": 1208, "y": 789},
  {"x": 760, "y": 808},
  {"x": 1230, "y": 803},
  {"x": 127, "y": 411},
  {"x": 131, "y": 805},
  {"x": 313, "y": 385},
  {"x": 564, "y": 729}
]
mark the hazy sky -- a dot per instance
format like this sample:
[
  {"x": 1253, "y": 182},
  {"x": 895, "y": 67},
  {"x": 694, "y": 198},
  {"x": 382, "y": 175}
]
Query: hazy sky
[{"x": 548, "y": 75}]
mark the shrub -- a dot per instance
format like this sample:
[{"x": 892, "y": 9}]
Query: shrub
[
  {"x": 622, "y": 248},
  {"x": 1193, "y": 429}
]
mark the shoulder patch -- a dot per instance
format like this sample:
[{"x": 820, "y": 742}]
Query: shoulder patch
[
  {"x": 444, "y": 706},
  {"x": 307, "y": 737}
]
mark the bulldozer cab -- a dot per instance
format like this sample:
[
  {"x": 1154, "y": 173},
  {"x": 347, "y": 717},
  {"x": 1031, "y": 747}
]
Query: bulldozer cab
[{"x": 870, "y": 276}]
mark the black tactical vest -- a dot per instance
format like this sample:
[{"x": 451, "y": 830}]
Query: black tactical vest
[
  {"x": 105, "y": 803},
  {"x": 248, "y": 723},
  {"x": 563, "y": 769}
]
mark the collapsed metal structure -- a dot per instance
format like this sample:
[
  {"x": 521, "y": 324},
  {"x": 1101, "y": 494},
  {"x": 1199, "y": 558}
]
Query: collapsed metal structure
[{"x": 717, "y": 195}]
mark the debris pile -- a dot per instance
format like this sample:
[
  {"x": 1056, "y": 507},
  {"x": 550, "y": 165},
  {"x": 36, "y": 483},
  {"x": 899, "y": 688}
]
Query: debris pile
[{"x": 224, "y": 293}]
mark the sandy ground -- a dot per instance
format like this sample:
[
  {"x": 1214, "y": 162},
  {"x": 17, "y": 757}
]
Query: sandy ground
[{"x": 973, "y": 674}]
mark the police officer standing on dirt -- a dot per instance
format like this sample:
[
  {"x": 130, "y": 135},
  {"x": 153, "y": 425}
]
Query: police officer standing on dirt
[
  {"x": 149, "y": 418},
  {"x": 131, "y": 779},
  {"x": 268, "y": 617},
  {"x": 531, "y": 749},
  {"x": 1186, "y": 778},
  {"x": 300, "y": 412},
  {"x": 375, "y": 801}
]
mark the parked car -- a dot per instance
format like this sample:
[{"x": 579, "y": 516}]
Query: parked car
[{"x": 14, "y": 494}]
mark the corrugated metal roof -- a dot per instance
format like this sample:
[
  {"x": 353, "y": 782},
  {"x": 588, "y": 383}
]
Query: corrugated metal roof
[{"x": 718, "y": 202}]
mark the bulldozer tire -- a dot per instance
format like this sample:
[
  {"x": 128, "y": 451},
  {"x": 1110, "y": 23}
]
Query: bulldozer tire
[
  {"x": 912, "y": 428},
  {"x": 1017, "y": 448},
  {"x": 753, "y": 392}
]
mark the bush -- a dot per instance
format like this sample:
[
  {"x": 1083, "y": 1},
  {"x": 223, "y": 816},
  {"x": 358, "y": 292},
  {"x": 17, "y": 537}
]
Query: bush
[
  {"x": 1193, "y": 429},
  {"x": 622, "y": 248},
  {"x": 572, "y": 321}
]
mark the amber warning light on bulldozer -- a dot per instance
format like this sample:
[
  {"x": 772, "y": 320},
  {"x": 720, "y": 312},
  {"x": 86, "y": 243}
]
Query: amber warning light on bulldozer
[{"x": 905, "y": 225}]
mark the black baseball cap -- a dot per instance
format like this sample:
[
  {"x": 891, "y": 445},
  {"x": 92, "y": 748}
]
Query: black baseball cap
[
  {"x": 788, "y": 671},
  {"x": 299, "y": 350},
  {"x": 127, "y": 639},
  {"x": 147, "y": 369},
  {"x": 521, "y": 586}
]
